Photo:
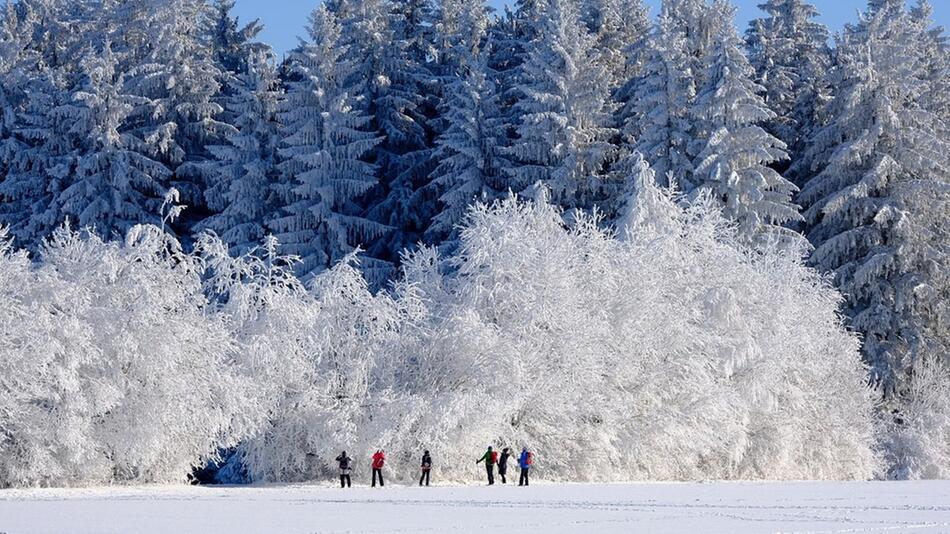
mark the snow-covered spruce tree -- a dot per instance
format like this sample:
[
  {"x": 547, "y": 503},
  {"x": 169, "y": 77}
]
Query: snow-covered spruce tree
[
  {"x": 470, "y": 164},
  {"x": 935, "y": 56},
  {"x": 733, "y": 165},
  {"x": 112, "y": 186},
  {"x": 622, "y": 31},
  {"x": 790, "y": 54},
  {"x": 245, "y": 170},
  {"x": 668, "y": 66},
  {"x": 45, "y": 46},
  {"x": 700, "y": 22},
  {"x": 658, "y": 124},
  {"x": 506, "y": 49},
  {"x": 13, "y": 41},
  {"x": 387, "y": 83},
  {"x": 461, "y": 34},
  {"x": 174, "y": 68},
  {"x": 619, "y": 28},
  {"x": 18, "y": 80},
  {"x": 130, "y": 379},
  {"x": 877, "y": 206},
  {"x": 509, "y": 36},
  {"x": 325, "y": 139},
  {"x": 420, "y": 32},
  {"x": 564, "y": 109},
  {"x": 645, "y": 207},
  {"x": 232, "y": 44}
]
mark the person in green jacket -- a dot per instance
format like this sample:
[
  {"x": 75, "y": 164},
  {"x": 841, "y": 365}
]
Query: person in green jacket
[{"x": 490, "y": 458}]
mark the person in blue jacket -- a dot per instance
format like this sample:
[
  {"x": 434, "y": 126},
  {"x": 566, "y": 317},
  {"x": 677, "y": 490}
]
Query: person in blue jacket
[{"x": 524, "y": 462}]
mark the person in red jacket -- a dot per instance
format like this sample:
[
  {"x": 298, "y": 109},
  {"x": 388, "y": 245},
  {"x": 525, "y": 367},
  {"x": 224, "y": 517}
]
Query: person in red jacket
[{"x": 379, "y": 459}]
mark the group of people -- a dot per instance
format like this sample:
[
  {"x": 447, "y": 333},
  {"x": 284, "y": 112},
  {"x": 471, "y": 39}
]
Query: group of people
[{"x": 491, "y": 459}]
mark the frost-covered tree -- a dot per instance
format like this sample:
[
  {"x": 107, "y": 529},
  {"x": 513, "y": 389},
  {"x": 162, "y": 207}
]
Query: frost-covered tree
[
  {"x": 564, "y": 108},
  {"x": 663, "y": 363},
  {"x": 325, "y": 140},
  {"x": 267, "y": 307},
  {"x": 733, "y": 165},
  {"x": 40, "y": 436},
  {"x": 335, "y": 391},
  {"x": 918, "y": 438},
  {"x": 245, "y": 170},
  {"x": 112, "y": 369},
  {"x": 877, "y": 204},
  {"x": 554, "y": 306},
  {"x": 117, "y": 367},
  {"x": 789, "y": 51}
]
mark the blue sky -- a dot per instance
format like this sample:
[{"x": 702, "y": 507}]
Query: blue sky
[{"x": 284, "y": 19}]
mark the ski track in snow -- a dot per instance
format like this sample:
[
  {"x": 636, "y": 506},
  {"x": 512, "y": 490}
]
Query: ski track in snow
[{"x": 726, "y": 507}]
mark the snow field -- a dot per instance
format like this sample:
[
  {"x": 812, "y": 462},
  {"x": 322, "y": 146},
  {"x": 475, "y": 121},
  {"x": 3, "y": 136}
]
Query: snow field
[{"x": 721, "y": 507}]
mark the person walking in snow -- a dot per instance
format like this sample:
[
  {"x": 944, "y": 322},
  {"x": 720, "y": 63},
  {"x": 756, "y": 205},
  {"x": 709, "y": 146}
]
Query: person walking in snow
[
  {"x": 490, "y": 458},
  {"x": 426, "y": 467},
  {"x": 503, "y": 464},
  {"x": 524, "y": 462},
  {"x": 379, "y": 459},
  {"x": 344, "y": 462}
]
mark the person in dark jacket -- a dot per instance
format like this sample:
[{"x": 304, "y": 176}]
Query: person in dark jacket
[
  {"x": 379, "y": 459},
  {"x": 345, "y": 462},
  {"x": 503, "y": 464},
  {"x": 524, "y": 462},
  {"x": 490, "y": 458},
  {"x": 426, "y": 467}
]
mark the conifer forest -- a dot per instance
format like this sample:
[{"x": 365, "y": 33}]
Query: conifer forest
[{"x": 649, "y": 244}]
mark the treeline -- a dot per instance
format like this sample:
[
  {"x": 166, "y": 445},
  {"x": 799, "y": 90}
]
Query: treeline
[
  {"x": 673, "y": 352},
  {"x": 392, "y": 117}
]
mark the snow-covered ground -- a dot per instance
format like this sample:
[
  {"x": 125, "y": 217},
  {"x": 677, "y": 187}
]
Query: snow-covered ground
[{"x": 919, "y": 507}]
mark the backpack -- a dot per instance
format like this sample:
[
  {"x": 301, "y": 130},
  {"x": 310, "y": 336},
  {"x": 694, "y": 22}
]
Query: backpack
[
  {"x": 494, "y": 457},
  {"x": 530, "y": 458}
]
